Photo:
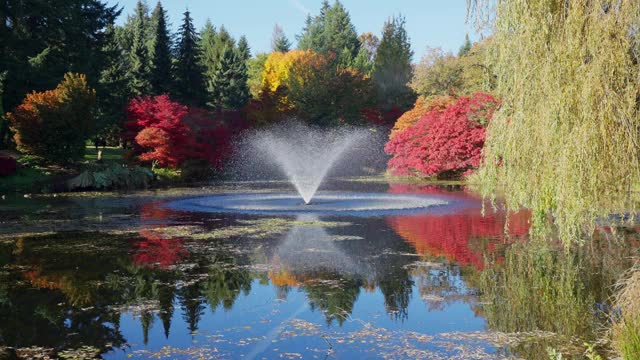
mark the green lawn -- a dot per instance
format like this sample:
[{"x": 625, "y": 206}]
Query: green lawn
[{"x": 109, "y": 154}]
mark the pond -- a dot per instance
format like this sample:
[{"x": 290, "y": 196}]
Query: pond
[{"x": 132, "y": 276}]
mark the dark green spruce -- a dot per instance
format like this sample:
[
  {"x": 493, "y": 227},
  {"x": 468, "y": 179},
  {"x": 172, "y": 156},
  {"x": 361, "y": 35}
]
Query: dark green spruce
[
  {"x": 392, "y": 70},
  {"x": 188, "y": 72},
  {"x": 139, "y": 74},
  {"x": 161, "y": 75},
  {"x": 227, "y": 87}
]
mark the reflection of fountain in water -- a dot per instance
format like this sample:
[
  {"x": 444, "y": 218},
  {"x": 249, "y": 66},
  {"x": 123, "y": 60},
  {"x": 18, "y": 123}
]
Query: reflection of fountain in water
[{"x": 308, "y": 250}]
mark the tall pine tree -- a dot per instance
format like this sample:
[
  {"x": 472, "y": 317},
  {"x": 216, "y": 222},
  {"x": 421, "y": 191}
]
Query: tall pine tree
[
  {"x": 243, "y": 48},
  {"x": 189, "y": 84},
  {"x": 392, "y": 67},
  {"x": 161, "y": 76},
  {"x": 139, "y": 74},
  {"x": 466, "y": 47},
  {"x": 279, "y": 41},
  {"x": 331, "y": 31},
  {"x": 312, "y": 37},
  {"x": 113, "y": 88},
  {"x": 227, "y": 86},
  {"x": 208, "y": 52},
  {"x": 340, "y": 35}
]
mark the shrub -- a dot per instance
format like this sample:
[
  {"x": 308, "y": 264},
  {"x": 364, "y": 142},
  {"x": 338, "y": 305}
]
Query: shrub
[
  {"x": 8, "y": 165},
  {"x": 112, "y": 177},
  {"x": 54, "y": 124},
  {"x": 443, "y": 143}
]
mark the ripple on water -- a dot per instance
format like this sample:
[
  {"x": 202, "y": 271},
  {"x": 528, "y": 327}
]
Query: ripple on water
[{"x": 357, "y": 204}]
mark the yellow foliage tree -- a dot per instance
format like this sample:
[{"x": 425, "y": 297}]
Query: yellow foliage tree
[{"x": 278, "y": 65}]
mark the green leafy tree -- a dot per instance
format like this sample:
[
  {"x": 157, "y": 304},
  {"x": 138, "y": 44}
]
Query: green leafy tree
[
  {"x": 279, "y": 41},
  {"x": 439, "y": 73},
  {"x": 227, "y": 86},
  {"x": 189, "y": 84},
  {"x": 139, "y": 75},
  {"x": 363, "y": 62},
  {"x": 255, "y": 70},
  {"x": 161, "y": 75},
  {"x": 325, "y": 94},
  {"x": 392, "y": 66}
]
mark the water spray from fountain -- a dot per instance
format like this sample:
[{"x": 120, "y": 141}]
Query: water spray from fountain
[{"x": 308, "y": 155}]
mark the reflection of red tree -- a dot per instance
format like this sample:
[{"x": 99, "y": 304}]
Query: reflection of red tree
[
  {"x": 155, "y": 248},
  {"x": 463, "y": 236}
]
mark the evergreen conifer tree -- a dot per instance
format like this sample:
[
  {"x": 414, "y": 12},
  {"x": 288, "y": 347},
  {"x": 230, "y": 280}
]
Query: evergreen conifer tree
[
  {"x": 392, "y": 66},
  {"x": 279, "y": 41},
  {"x": 331, "y": 31},
  {"x": 113, "y": 87},
  {"x": 138, "y": 56},
  {"x": 161, "y": 76},
  {"x": 188, "y": 71},
  {"x": 243, "y": 48},
  {"x": 227, "y": 86},
  {"x": 466, "y": 47}
]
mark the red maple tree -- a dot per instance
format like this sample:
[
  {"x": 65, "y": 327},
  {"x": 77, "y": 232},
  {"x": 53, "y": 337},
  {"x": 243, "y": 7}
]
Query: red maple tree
[
  {"x": 443, "y": 143},
  {"x": 167, "y": 133}
]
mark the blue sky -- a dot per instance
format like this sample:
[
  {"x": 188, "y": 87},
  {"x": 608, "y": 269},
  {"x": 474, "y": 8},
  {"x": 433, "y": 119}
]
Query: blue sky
[{"x": 430, "y": 23}]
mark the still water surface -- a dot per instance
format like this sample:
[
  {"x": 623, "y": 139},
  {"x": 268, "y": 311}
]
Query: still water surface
[{"x": 132, "y": 277}]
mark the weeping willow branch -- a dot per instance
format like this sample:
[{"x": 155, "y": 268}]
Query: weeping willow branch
[{"x": 566, "y": 141}]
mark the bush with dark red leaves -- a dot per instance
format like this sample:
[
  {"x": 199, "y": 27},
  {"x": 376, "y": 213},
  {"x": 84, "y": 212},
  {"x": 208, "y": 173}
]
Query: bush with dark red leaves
[{"x": 8, "y": 165}]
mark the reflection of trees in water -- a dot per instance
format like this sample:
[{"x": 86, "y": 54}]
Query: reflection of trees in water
[
  {"x": 464, "y": 237},
  {"x": 332, "y": 272},
  {"x": 147, "y": 276},
  {"x": 542, "y": 287},
  {"x": 440, "y": 284},
  {"x": 225, "y": 281},
  {"x": 51, "y": 308}
]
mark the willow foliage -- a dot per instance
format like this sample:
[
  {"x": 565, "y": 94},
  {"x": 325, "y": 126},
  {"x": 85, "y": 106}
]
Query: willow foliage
[{"x": 566, "y": 140}]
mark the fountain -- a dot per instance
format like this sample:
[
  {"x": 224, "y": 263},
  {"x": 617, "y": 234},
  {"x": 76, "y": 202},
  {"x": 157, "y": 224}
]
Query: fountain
[{"x": 306, "y": 156}]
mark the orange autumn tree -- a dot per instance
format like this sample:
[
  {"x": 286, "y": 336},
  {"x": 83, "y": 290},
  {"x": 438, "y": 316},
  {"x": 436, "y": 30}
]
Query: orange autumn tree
[
  {"x": 422, "y": 106},
  {"x": 54, "y": 124}
]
